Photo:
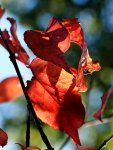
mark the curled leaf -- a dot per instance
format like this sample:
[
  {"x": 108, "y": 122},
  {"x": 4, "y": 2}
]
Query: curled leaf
[
  {"x": 18, "y": 49},
  {"x": 10, "y": 88},
  {"x": 104, "y": 99},
  {"x": 55, "y": 98},
  {"x": 77, "y": 36},
  {"x": 3, "y": 138},
  {"x": 50, "y": 45},
  {"x": 14, "y": 44}
]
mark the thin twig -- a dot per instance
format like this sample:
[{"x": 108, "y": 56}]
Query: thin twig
[
  {"x": 91, "y": 124},
  {"x": 13, "y": 60},
  {"x": 97, "y": 122},
  {"x": 105, "y": 142},
  {"x": 28, "y": 128}
]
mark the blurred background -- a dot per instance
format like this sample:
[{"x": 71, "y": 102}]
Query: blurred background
[{"x": 96, "y": 18}]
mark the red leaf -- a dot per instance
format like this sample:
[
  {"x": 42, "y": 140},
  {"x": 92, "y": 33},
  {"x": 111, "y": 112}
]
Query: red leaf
[
  {"x": 80, "y": 82},
  {"x": 10, "y": 88},
  {"x": 49, "y": 45},
  {"x": 18, "y": 49},
  {"x": 77, "y": 36},
  {"x": 104, "y": 99},
  {"x": 28, "y": 148},
  {"x": 2, "y": 10},
  {"x": 14, "y": 44},
  {"x": 55, "y": 98},
  {"x": 3, "y": 138},
  {"x": 85, "y": 63},
  {"x": 75, "y": 30}
]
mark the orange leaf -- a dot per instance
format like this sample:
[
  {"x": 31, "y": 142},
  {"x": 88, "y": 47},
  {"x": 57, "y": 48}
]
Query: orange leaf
[
  {"x": 10, "y": 88},
  {"x": 50, "y": 45},
  {"x": 55, "y": 97},
  {"x": 104, "y": 99},
  {"x": 3, "y": 138}
]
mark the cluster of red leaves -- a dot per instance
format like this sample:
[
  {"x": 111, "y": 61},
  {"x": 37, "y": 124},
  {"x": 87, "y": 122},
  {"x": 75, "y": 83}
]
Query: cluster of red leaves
[{"x": 55, "y": 87}]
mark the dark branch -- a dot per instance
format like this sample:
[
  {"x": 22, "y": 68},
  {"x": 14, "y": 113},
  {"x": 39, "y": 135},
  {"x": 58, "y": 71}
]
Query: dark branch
[
  {"x": 13, "y": 60},
  {"x": 28, "y": 128}
]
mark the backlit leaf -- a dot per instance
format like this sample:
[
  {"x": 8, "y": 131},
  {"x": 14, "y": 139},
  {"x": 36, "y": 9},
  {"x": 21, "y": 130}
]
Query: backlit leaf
[
  {"x": 77, "y": 36},
  {"x": 49, "y": 45},
  {"x": 14, "y": 44},
  {"x": 55, "y": 98},
  {"x": 10, "y": 88},
  {"x": 18, "y": 49}
]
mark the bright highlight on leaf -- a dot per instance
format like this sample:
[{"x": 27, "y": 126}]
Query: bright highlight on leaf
[
  {"x": 50, "y": 45},
  {"x": 55, "y": 97},
  {"x": 104, "y": 99},
  {"x": 10, "y": 88},
  {"x": 3, "y": 138},
  {"x": 54, "y": 89}
]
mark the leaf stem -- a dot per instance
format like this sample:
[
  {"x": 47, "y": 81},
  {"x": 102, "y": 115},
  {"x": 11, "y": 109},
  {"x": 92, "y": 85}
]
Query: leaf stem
[
  {"x": 90, "y": 124},
  {"x": 97, "y": 122},
  {"x": 13, "y": 60}
]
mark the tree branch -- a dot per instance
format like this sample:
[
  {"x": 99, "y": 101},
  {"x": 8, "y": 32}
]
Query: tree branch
[
  {"x": 13, "y": 60},
  {"x": 28, "y": 128},
  {"x": 97, "y": 122},
  {"x": 105, "y": 142}
]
